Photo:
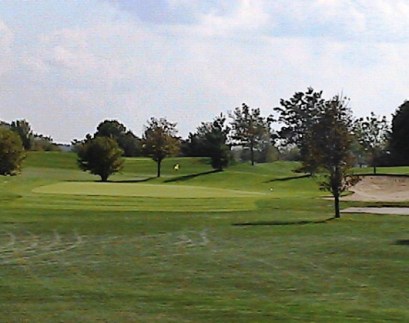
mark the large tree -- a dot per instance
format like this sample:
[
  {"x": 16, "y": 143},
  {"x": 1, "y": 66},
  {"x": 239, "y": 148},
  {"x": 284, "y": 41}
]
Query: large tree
[
  {"x": 160, "y": 141},
  {"x": 211, "y": 140},
  {"x": 110, "y": 128},
  {"x": 372, "y": 133},
  {"x": 11, "y": 152},
  {"x": 329, "y": 142},
  {"x": 298, "y": 115},
  {"x": 23, "y": 129},
  {"x": 127, "y": 141},
  {"x": 399, "y": 137},
  {"x": 100, "y": 156},
  {"x": 249, "y": 128}
]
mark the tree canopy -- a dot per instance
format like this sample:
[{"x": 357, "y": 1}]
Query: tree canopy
[
  {"x": 399, "y": 137},
  {"x": 11, "y": 152},
  {"x": 329, "y": 141},
  {"x": 372, "y": 133},
  {"x": 249, "y": 128},
  {"x": 211, "y": 140},
  {"x": 160, "y": 141},
  {"x": 23, "y": 129},
  {"x": 298, "y": 115},
  {"x": 100, "y": 156},
  {"x": 127, "y": 141}
]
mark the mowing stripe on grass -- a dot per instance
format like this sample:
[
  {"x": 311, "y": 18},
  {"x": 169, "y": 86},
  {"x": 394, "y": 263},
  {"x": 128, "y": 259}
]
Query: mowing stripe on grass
[{"x": 141, "y": 190}]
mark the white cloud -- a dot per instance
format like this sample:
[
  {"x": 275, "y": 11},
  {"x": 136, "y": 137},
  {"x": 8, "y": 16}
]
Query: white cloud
[
  {"x": 248, "y": 16},
  {"x": 6, "y": 41},
  {"x": 66, "y": 81}
]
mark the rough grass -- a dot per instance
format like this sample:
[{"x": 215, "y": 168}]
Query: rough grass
[{"x": 122, "y": 258}]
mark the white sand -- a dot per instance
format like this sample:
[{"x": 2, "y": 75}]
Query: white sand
[{"x": 380, "y": 189}]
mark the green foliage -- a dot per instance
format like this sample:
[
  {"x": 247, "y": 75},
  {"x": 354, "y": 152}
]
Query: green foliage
[
  {"x": 289, "y": 153},
  {"x": 127, "y": 141},
  {"x": 399, "y": 138},
  {"x": 30, "y": 140},
  {"x": 249, "y": 129},
  {"x": 44, "y": 143},
  {"x": 11, "y": 152},
  {"x": 298, "y": 115},
  {"x": 329, "y": 142},
  {"x": 372, "y": 133},
  {"x": 100, "y": 156},
  {"x": 210, "y": 140},
  {"x": 23, "y": 129},
  {"x": 267, "y": 153},
  {"x": 159, "y": 140}
]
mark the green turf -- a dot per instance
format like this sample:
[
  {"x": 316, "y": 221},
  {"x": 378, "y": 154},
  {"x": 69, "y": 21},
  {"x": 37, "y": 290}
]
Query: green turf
[
  {"x": 269, "y": 256},
  {"x": 143, "y": 190}
]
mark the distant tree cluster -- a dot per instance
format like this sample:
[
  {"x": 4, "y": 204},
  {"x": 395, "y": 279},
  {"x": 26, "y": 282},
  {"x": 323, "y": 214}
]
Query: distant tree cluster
[
  {"x": 321, "y": 133},
  {"x": 127, "y": 141},
  {"x": 16, "y": 139},
  {"x": 31, "y": 140}
]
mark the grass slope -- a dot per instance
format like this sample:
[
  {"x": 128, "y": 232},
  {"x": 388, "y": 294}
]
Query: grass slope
[{"x": 273, "y": 257}]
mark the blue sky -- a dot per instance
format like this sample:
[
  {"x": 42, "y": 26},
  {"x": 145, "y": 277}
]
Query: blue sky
[{"x": 67, "y": 65}]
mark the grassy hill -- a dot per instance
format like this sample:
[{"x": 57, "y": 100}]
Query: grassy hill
[{"x": 246, "y": 244}]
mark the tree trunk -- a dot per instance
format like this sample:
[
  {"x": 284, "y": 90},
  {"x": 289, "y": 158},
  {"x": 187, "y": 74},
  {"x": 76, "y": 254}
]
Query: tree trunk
[
  {"x": 158, "y": 164},
  {"x": 374, "y": 161},
  {"x": 104, "y": 177},
  {"x": 252, "y": 153},
  {"x": 336, "y": 206}
]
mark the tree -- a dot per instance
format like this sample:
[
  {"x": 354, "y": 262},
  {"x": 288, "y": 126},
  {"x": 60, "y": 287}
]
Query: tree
[
  {"x": 249, "y": 128},
  {"x": 11, "y": 152},
  {"x": 44, "y": 143},
  {"x": 159, "y": 140},
  {"x": 298, "y": 115},
  {"x": 211, "y": 139},
  {"x": 110, "y": 128},
  {"x": 127, "y": 141},
  {"x": 23, "y": 129},
  {"x": 372, "y": 133},
  {"x": 266, "y": 151},
  {"x": 329, "y": 142},
  {"x": 399, "y": 137},
  {"x": 100, "y": 156}
]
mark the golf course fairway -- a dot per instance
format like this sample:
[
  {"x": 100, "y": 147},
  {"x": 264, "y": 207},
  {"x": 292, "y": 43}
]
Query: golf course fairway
[
  {"x": 141, "y": 190},
  {"x": 249, "y": 244}
]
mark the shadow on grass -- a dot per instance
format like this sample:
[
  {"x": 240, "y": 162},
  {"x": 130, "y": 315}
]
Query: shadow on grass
[
  {"x": 142, "y": 180},
  {"x": 112, "y": 181},
  {"x": 402, "y": 242},
  {"x": 300, "y": 222},
  {"x": 190, "y": 176},
  {"x": 287, "y": 178}
]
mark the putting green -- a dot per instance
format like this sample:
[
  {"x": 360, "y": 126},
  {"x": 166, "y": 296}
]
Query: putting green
[{"x": 141, "y": 190}]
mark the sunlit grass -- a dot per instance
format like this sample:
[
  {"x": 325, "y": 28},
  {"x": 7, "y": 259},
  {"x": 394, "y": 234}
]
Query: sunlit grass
[{"x": 274, "y": 255}]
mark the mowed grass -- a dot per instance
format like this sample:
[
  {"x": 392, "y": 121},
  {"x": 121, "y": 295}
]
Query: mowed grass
[
  {"x": 145, "y": 190},
  {"x": 271, "y": 255}
]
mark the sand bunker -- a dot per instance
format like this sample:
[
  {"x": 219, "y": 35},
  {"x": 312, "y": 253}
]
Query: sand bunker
[
  {"x": 380, "y": 189},
  {"x": 378, "y": 210}
]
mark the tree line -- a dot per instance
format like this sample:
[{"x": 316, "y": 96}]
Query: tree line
[{"x": 321, "y": 133}]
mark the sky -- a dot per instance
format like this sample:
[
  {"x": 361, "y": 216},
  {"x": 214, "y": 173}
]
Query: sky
[{"x": 65, "y": 66}]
